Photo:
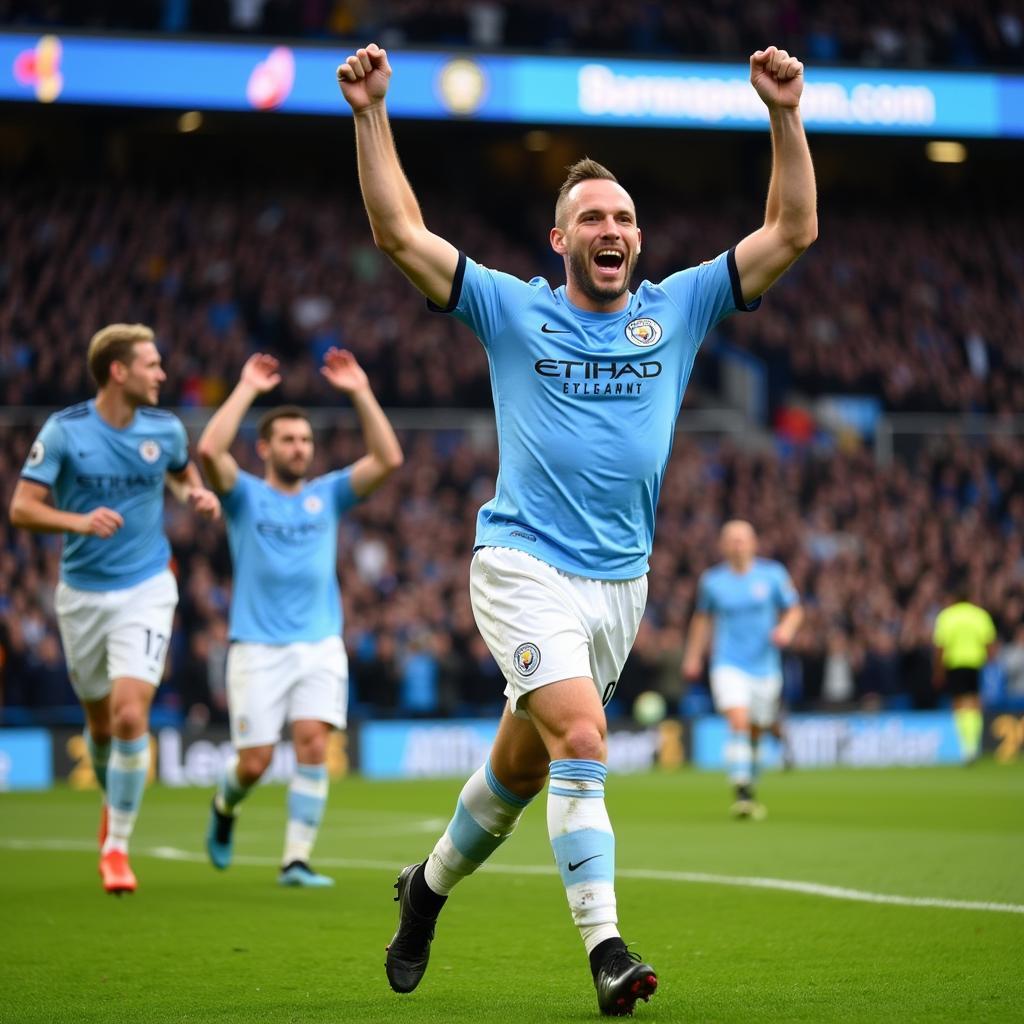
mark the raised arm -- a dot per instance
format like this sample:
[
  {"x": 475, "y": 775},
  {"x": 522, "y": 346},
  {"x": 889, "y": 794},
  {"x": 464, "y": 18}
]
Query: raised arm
[
  {"x": 259, "y": 375},
  {"x": 790, "y": 218},
  {"x": 383, "y": 452},
  {"x": 30, "y": 510},
  {"x": 398, "y": 229}
]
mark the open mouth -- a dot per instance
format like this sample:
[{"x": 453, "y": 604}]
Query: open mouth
[{"x": 609, "y": 261}]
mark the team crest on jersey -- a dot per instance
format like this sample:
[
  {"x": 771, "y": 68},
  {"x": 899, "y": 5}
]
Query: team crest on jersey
[
  {"x": 526, "y": 658},
  {"x": 759, "y": 590},
  {"x": 242, "y": 725},
  {"x": 36, "y": 454},
  {"x": 312, "y": 504},
  {"x": 643, "y": 331},
  {"x": 149, "y": 450}
]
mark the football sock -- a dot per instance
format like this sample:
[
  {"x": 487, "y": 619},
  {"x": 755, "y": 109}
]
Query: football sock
[
  {"x": 969, "y": 727},
  {"x": 307, "y": 797},
  {"x": 126, "y": 782},
  {"x": 584, "y": 846},
  {"x": 485, "y": 816},
  {"x": 738, "y": 758},
  {"x": 99, "y": 755},
  {"x": 755, "y": 759},
  {"x": 230, "y": 792}
]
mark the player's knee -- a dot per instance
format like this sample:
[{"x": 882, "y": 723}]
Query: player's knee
[
  {"x": 130, "y": 720},
  {"x": 313, "y": 751},
  {"x": 739, "y": 719},
  {"x": 583, "y": 741},
  {"x": 311, "y": 746},
  {"x": 252, "y": 764}
]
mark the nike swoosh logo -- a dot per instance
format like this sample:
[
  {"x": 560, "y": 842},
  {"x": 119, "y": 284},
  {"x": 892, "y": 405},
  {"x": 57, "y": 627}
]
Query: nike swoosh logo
[
  {"x": 579, "y": 864},
  {"x": 550, "y": 330}
]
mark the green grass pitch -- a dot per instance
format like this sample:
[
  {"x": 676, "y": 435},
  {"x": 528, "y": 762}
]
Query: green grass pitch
[{"x": 197, "y": 945}]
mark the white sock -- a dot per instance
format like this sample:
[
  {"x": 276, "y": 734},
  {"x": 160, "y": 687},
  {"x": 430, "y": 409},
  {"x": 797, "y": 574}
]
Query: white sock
[
  {"x": 307, "y": 797},
  {"x": 126, "y": 782},
  {"x": 485, "y": 816},
  {"x": 584, "y": 846}
]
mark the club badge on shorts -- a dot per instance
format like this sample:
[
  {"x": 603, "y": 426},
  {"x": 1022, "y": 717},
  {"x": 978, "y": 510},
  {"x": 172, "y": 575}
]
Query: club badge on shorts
[
  {"x": 526, "y": 658},
  {"x": 643, "y": 331}
]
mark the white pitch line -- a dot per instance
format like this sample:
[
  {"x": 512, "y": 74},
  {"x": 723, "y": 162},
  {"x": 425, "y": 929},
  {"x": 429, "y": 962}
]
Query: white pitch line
[{"x": 832, "y": 892}]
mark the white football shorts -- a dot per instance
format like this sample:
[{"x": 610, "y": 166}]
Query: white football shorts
[
  {"x": 543, "y": 625},
  {"x": 115, "y": 634},
  {"x": 733, "y": 688},
  {"x": 270, "y": 684}
]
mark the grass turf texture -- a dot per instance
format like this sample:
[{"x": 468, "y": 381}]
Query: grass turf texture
[{"x": 197, "y": 945}]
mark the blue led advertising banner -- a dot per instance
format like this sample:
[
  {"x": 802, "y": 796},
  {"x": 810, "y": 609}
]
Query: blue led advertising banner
[{"x": 193, "y": 75}]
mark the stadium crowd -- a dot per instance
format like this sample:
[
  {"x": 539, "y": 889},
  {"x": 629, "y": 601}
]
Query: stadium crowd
[
  {"x": 919, "y": 312},
  {"x": 913, "y": 33},
  {"x": 873, "y": 552}
]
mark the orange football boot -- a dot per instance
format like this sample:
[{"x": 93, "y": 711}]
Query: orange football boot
[{"x": 116, "y": 872}]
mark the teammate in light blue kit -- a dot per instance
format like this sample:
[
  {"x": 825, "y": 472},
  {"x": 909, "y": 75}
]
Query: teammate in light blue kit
[
  {"x": 106, "y": 463},
  {"x": 287, "y": 662},
  {"x": 587, "y": 381},
  {"x": 753, "y": 608}
]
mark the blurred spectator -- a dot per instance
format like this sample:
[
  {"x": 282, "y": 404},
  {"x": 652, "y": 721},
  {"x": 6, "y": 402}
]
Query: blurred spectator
[
  {"x": 871, "y": 549},
  {"x": 220, "y": 276},
  {"x": 1012, "y": 658},
  {"x": 914, "y": 33}
]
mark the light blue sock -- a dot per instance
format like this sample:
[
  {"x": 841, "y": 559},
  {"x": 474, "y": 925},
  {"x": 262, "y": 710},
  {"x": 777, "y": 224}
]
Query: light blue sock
[
  {"x": 739, "y": 757},
  {"x": 126, "y": 782},
  {"x": 485, "y": 816},
  {"x": 584, "y": 845},
  {"x": 307, "y": 797},
  {"x": 230, "y": 791},
  {"x": 99, "y": 755}
]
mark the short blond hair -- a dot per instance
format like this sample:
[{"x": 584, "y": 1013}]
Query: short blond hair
[{"x": 114, "y": 343}]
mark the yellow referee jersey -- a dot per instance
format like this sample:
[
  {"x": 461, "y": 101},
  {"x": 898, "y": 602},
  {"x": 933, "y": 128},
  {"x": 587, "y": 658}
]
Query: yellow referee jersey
[{"x": 964, "y": 632}]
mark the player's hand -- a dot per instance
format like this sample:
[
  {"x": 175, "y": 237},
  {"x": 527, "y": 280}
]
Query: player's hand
[
  {"x": 782, "y": 636},
  {"x": 692, "y": 669},
  {"x": 205, "y": 503},
  {"x": 341, "y": 371},
  {"x": 261, "y": 373},
  {"x": 364, "y": 77},
  {"x": 777, "y": 77},
  {"x": 103, "y": 523}
]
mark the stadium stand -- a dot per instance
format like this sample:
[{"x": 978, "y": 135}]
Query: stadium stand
[
  {"x": 910, "y": 33},
  {"x": 221, "y": 276},
  {"x": 872, "y": 551}
]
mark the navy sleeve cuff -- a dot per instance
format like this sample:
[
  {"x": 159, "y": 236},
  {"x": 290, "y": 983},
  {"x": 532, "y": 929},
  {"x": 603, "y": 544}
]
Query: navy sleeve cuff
[
  {"x": 36, "y": 480},
  {"x": 456, "y": 294},
  {"x": 178, "y": 469},
  {"x": 737, "y": 291}
]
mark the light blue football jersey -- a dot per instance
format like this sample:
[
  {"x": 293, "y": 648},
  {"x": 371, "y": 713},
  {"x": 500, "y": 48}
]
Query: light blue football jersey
[
  {"x": 745, "y": 607},
  {"x": 586, "y": 406},
  {"x": 284, "y": 550},
  {"x": 88, "y": 464}
]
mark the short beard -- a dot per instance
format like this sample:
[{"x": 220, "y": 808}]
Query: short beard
[
  {"x": 579, "y": 271},
  {"x": 141, "y": 398},
  {"x": 287, "y": 475}
]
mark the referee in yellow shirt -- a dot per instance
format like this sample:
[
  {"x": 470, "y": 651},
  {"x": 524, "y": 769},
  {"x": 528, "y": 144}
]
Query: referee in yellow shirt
[{"x": 964, "y": 637}]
